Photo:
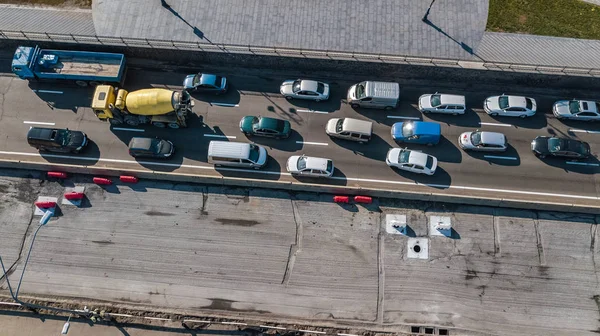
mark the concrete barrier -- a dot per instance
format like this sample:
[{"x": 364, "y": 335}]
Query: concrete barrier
[{"x": 305, "y": 187}]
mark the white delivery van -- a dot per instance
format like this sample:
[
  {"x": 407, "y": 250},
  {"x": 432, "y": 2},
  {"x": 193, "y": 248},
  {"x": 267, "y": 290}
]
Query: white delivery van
[
  {"x": 381, "y": 95},
  {"x": 236, "y": 154}
]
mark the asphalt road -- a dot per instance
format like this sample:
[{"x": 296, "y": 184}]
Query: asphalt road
[{"x": 515, "y": 174}]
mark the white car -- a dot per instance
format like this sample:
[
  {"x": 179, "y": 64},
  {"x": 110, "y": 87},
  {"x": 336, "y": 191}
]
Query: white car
[
  {"x": 482, "y": 141},
  {"x": 510, "y": 106},
  {"x": 305, "y": 89},
  {"x": 442, "y": 103},
  {"x": 577, "y": 109},
  {"x": 309, "y": 166},
  {"x": 412, "y": 161}
]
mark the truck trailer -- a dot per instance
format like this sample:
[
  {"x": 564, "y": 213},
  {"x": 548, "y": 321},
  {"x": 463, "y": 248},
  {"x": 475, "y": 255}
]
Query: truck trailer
[
  {"x": 82, "y": 67},
  {"x": 159, "y": 107}
]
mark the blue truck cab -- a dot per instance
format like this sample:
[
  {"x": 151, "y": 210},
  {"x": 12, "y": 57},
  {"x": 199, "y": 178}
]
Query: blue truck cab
[
  {"x": 417, "y": 132},
  {"x": 82, "y": 67}
]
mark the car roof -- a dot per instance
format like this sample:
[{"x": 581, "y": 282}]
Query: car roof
[
  {"x": 493, "y": 138},
  {"x": 140, "y": 143},
  {"x": 382, "y": 89},
  {"x": 426, "y": 127},
  {"x": 517, "y": 101},
  {"x": 308, "y": 85},
  {"x": 239, "y": 150},
  {"x": 40, "y": 132},
  {"x": 316, "y": 163},
  {"x": 208, "y": 79},
  {"x": 590, "y": 104},
  {"x": 271, "y": 123},
  {"x": 451, "y": 99},
  {"x": 356, "y": 125},
  {"x": 418, "y": 158}
]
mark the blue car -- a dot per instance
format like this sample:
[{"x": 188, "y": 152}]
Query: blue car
[{"x": 418, "y": 132}]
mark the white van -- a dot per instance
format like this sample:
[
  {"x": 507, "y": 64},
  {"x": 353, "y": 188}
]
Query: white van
[
  {"x": 349, "y": 129},
  {"x": 382, "y": 95},
  {"x": 236, "y": 154}
]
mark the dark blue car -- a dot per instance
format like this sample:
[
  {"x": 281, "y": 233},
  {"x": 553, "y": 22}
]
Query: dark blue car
[{"x": 418, "y": 132}]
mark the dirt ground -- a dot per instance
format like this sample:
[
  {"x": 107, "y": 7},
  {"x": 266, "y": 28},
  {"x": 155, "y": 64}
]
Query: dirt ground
[{"x": 56, "y": 3}]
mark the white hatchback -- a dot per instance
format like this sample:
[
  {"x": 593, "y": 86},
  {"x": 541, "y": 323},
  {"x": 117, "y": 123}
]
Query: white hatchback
[
  {"x": 309, "y": 166},
  {"x": 482, "y": 141},
  {"x": 442, "y": 103},
  {"x": 412, "y": 161},
  {"x": 510, "y": 106}
]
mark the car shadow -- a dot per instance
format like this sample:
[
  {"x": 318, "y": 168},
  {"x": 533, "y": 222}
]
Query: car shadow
[
  {"x": 330, "y": 105},
  {"x": 338, "y": 178},
  {"x": 375, "y": 149},
  {"x": 588, "y": 167},
  {"x": 580, "y": 125},
  {"x": 440, "y": 180},
  {"x": 536, "y": 121},
  {"x": 498, "y": 158},
  {"x": 271, "y": 171},
  {"x": 231, "y": 97},
  {"x": 469, "y": 119},
  {"x": 89, "y": 156},
  {"x": 78, "y": 96},
  {"x": 292, "y": 144},
  {"x": 444, "y": 151}
]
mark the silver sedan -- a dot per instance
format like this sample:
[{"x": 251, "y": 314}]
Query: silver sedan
[
  {"x": 305, "y": 89},
  {"x": 510, "y": 106}
]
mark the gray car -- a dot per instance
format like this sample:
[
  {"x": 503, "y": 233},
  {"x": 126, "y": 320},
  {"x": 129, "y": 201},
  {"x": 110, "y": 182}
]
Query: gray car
[
  {"x": 151, "y": 147},
  {"x": 205, "y": 83},
  {"x": 305, "y": 89},
  {"x": 577, "y": 109}
]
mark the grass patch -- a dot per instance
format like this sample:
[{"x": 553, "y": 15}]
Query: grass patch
[
  {"x": 564, "y": 18},
  {"x": 56, "y": 3}
]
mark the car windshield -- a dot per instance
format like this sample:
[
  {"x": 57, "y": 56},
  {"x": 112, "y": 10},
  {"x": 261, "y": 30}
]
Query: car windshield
[
  {"x": 476, "y": 138},
  {"x": 158, "y": 146},
  {"x": 429, "y": 163},
  {"x": 196, "y": 80},
  {"x": 320, "y": 88},
  {"x": 218, "y": 81},
  {"x": 529, "y": 103},
  {"x": 339, "y": 125},
  {"x": 408, "y": 129},
  {"x": 296, "y": 86},
  {"x": 503, "y": 102},
  {"x": 403, "y": 156},
  {"x": 555, "y": 144},
  {"x": 302, "y": 163},
  {"x": 436, "y": 100},
  {"x": 329, "y": 166},
  {"x": 574, "y": 107},
  {"x": 254, "y": 153},
  {"x": 255, "y": 121},
  {"x": 360, "y": 90}
]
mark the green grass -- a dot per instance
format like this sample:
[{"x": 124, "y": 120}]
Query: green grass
[
  {"x": 61, "y": 3},
  {"x": 564, "y": 18}
]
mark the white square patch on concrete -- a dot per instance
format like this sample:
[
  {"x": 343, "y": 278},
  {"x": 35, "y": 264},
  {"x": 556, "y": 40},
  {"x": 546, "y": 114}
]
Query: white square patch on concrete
[
  {"x": 72, "y": 202},
  {"x": 399, "y": 220},
  {"x": 41, "y": 212},
  {"x": 418, "y": 248},
  {"x": 445, "y": 221}
]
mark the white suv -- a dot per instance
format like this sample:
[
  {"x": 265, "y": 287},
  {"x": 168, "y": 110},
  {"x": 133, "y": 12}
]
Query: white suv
[{"x": 442, "y": 103}]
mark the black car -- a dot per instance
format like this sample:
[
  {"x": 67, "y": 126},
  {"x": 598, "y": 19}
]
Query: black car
[
  {"x": 151, "y": 147},
  {"x": 543, "y": 146},
  {"x": 56, "y": 140}
]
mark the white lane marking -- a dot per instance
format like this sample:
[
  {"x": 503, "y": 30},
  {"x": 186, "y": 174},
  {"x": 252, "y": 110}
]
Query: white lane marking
[
  {"x": 234, "y": 323},
  {"x": 312, "y": 331},
  {"x": 220, "y": 136},
  {"x": 347, "y": 335},
  {"x": 155, "y": 318},
  {"x": 224, "y": 104},
  {"x": 122, "y": 315},
  {"x": 195, "y": 321},
  {"x": 583, "y": 163},
  {"x": 312, "y": 111},
  {"x": 10, "y": 303},
  {"x": 355, "y": 179},
  {"x": 39, "y": 123},
  {"x": 403, "y": 117},
  {"x": 128, "y": 129},
  {"x": 48, "y": 91},
  {"x": 500, "y": 157},
  {"x": 494, "y": 124},
  {"x": 312, "y": 143},
  {"x": 583, "y": 131},
  {"x": 269, "y": 327}
]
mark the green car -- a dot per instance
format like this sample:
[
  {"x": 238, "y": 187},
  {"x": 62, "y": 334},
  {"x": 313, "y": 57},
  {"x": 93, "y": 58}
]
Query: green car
[{"x": 265, "y": 126}]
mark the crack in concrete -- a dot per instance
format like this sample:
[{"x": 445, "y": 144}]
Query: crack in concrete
[
  {"x": 496, "y": 230},
  {"x": 540, "y": 243},
  {"x": 593, "y": 232},
  {"x": 294, "y": 248},
  {"x": 380, "y": 270}
]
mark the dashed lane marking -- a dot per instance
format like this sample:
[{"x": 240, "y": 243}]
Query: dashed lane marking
[
  {"x": 494, "y": 124},
  {"x": 39, "y": 123},
  {"x": 583, "y": 131},
  {"x": 270, "y": 327},
  {"x": 403, "y": 117},
  {"x": 224, "y": 104},
  {"x": 156, "y": 318},
  {"x": 128, "y": 129},
  {"x": 312, "y": 331},
  {"x": 312, "y": 111},
  {"x": 220, "y": 136},
  {"x": 312, "y": 143},
  {"x": 583, "y": 163},
  {"x": 500, "y": 157},
  {"x": 48, "y": 91}
]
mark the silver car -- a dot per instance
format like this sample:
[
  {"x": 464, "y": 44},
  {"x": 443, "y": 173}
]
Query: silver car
[
  {"x": 442, "y": 103},
  {"x": 305, "y": 89},
  {"x": 412, "y": 161},
  {"x": 577, "y": 109},
  {"x": 510, "y": 106},
  {"x": 482, "y": 141},
  {"x": 309, "y": 166}
]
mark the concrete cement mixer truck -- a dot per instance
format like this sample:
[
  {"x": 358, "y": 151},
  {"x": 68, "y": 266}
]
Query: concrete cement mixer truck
[{"x": 159, "y": 107}]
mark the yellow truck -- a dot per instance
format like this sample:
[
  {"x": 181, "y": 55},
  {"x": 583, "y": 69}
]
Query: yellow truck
[{"x": 160, "y": 107}]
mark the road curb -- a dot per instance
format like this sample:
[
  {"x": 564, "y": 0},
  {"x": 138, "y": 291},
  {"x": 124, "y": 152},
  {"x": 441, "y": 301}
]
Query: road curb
[{"x": 306, "y": 187}]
